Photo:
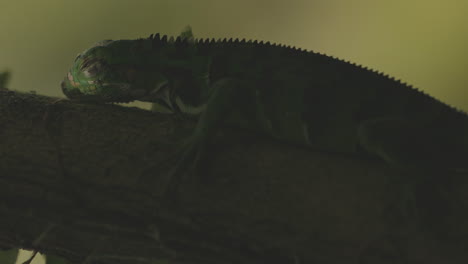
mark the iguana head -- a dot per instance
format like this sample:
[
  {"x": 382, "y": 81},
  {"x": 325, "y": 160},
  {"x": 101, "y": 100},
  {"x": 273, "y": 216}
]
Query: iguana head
[
  {"x": 112, "y": 71},
  {"x": 125, "y": 70}
]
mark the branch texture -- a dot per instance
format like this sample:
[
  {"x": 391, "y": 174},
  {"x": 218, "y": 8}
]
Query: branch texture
[{"x": 86, "y": 181}]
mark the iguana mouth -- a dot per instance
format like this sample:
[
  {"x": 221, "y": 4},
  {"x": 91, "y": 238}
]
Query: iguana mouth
[{"x": 97, "y": 91}]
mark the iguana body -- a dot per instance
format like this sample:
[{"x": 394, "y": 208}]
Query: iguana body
[{"x": 296, "y": 96}]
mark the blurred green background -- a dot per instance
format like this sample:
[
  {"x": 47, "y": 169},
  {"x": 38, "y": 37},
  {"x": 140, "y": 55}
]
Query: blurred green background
[{"x": 422, "y": 42}]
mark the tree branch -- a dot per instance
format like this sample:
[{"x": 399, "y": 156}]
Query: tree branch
[{"x": 85, "y": 182}]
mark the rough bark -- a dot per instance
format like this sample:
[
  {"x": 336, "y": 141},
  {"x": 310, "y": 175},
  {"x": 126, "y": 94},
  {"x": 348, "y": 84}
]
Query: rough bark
[{"x": 86, "y": 181}]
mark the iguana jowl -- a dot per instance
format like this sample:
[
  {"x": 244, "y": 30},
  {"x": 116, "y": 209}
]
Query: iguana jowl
[{"x": 297, "y": 96}]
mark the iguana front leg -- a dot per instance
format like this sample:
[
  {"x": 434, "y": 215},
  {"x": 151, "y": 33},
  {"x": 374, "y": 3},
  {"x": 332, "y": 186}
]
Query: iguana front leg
[{"x": 224, "y": 94}]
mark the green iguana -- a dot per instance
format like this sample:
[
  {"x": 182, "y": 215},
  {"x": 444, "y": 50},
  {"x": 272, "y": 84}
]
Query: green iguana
[{"x": 293, "y": 95}]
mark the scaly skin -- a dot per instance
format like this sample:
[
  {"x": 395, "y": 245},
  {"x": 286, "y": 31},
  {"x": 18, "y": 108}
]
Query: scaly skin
[{"x": 301, "y": 97}]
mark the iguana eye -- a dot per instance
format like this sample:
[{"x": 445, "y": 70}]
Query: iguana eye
[
  {"x": 87, "y": 62},
  {"x": 91, "y": 67}
]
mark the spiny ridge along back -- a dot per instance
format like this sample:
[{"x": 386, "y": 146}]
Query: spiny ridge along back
[{"x": 157, "y": 37}]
